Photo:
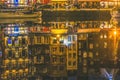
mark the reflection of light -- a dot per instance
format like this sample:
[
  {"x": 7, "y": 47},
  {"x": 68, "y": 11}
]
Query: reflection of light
[
  {"x": 58, "y": 35},
  {"x": 66, "y": 42},
  {"x": 115, "y": 32}
]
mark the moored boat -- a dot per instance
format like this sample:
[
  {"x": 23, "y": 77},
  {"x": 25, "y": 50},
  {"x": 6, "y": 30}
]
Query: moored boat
[{"x": 18, "y": 15}]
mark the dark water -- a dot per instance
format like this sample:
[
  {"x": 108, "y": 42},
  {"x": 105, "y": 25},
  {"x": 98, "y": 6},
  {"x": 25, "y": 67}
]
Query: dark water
[{"x": 76, "y": 16}]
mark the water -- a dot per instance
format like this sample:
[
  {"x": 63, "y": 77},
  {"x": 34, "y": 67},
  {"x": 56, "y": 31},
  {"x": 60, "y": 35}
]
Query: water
[{"x": 93, "y": 54}]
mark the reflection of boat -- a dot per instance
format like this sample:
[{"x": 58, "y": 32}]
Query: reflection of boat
[
  {"x": 17, "y": 20},
  {"x": 115, "y": 13},
  {"x": 18, "y": 15}
]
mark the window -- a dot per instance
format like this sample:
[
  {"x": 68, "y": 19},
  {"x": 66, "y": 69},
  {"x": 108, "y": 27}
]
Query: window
[
  {"x": 79, "y": 45},
  {"x": 74, "y": 63},
  {"x": 105, "y": 36},
  {"x": 84, "y": 54},
  {"x": 69, "y": 63},
  {"x": 62, "y": 60},
  {"x": 16, "y": 54},
  {"x": 39, "y": 39},
  {"x": 91, "y": 62},
  {"x": 91, "y": 46},
  {"x": 54, "y": 40},
  {"x": 80, "y": 60},
  {"x": 54, "y": 59},
  {"x": 23, "y": 41},
  {"x": 105, "y": 44},
  {"x": 23, "y": 53},
  {"x": 74, "y": 47},
  {"x": 97, "y": 54},
  {"x": 97, "y": 45},
  {"x": 74, "y": 55},
  {"x": 84, "y": 69},
  {"x": 74, "y": 38},
  {"x": 70, "y": 46},
  {"x": 61, "y": 49},
  {"x": 90, "y": 54},
  {"x": 69, "y": 38},
  {"x": 69, "y": 55},
  {"x": 54, "y": 49},
  {"x": 84, "y": 62},
  {"x": 54, "y": 68},
  {"x": 80, "y": 53},
  {"x": 10, "y": 53},
  {"x": 101, "y": 36},
  {"x": 61, "y": 68}
]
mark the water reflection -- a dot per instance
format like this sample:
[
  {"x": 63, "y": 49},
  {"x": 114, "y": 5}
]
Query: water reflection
[{"x": 59, "y": 50}]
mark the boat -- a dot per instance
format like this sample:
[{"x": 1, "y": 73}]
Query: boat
[
  {"x": 7, "y": 21},
  {"x": 18, "y": 15}
]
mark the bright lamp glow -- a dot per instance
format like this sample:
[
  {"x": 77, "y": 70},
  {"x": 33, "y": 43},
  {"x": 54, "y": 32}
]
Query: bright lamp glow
[{"x": 115, "y": 32}]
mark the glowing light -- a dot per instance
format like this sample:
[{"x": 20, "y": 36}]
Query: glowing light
[
  {"x": 58, "y": 35},
  {"x": 115, "y": 32}
]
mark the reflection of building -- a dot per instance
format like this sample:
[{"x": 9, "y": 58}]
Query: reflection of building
[
  {"x": 15, "y": 53},
  {"x": 58, "y": 50},
  {"x": 39, "y": 41},
  {"x": 72, "y": 53},
  {"x": 59, "y": 3},
  {"x": 108, "y": 47},
  {"x": 88, "y": 54},
  {"x": 1, "y": 50}
]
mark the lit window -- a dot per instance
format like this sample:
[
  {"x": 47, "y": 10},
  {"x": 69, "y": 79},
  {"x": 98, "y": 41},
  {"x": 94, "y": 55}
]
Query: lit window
[
  {"x": 105, "y": 44},
  {"x": 90, "y": 54},
  {"x": 91, "y": 46},
  {"x": 101, "y": 36},
  {"x": 84, "y": 54},
  {"x": 105, "y": 36}
]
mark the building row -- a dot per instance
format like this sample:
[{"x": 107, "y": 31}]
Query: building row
[{"x": 63, "y": 3}]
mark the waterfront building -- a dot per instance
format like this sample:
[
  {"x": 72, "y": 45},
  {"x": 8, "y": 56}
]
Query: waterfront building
[
  {"x": 89, "y": 55},
  {"x": 17, "y": 3}
]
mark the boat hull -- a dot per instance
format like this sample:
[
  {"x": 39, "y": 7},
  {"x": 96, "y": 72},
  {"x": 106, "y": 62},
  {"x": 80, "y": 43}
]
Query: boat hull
[{"x": 14, "y": 15}]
